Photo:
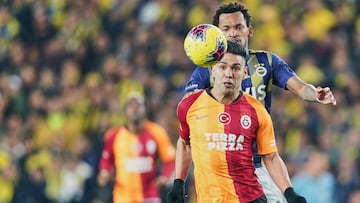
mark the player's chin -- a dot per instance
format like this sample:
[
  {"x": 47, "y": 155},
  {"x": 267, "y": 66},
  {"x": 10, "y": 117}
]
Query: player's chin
[
  {"x": 239, "y": 41},
  {"x": 228, "y": 90}
]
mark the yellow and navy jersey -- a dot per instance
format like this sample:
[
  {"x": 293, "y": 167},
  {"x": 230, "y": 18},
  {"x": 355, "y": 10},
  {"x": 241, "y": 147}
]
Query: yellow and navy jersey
[
  {"x": 264, "y": 70},
  {"x": 135, "y": 158},
  {"x": 221, "y": 137}
]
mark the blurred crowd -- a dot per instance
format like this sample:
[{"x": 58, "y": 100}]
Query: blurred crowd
[{"x": 66, "y": 67}]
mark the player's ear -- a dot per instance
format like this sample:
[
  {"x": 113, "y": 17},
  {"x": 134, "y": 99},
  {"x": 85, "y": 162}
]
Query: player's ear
[
  {"x": 250, "y": 31},
  {"x": 212, "y": 78},
  {"x": 246, "y": 71}
]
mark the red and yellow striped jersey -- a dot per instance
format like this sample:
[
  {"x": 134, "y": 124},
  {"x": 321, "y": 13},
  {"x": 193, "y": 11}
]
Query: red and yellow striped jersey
[
  {"x": 135, "y": 157},
  {"x": 221, "y": 138}
]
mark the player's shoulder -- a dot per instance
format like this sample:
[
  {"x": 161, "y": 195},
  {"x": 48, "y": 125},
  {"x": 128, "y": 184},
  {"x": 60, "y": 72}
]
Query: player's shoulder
[
  {"x": 190, "y": 98},
  {"x": 253, "y": 101},
  {"x": 250, "y": 98},
  {"x": 111, "y": 133},
  {"x": 153, "y": 126},
  {"x": 192, "y": 95}
]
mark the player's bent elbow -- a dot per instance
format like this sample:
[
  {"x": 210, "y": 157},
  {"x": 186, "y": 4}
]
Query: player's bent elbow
[{"x": 269, "y": 157}]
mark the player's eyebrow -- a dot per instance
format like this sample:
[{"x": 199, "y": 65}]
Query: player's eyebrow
[{"x": 234, "y": 64}]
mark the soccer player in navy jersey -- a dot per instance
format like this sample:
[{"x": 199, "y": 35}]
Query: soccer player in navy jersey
[{"x": 264, "y": 69}]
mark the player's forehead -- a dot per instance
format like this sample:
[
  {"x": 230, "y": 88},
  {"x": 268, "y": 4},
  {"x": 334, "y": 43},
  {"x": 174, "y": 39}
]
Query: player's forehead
[
  {"x": 134, "y": 99},
  {"x": 230, "y": 59},
  {"x": 231, "y": 19}
]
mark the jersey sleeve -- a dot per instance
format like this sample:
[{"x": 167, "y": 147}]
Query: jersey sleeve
[
  {"x": 265, "y": 138},
  {"x": 106, "y": 161},
  {"x": 281, "y": 71},
  {"x": 184, "y": 131},
  {"x": 166, "y": 150},
  {"x": 199, "y": 79}
]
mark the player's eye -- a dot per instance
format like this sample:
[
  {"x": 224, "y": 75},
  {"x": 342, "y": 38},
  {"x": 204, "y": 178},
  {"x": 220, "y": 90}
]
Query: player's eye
[
  {"x": 236, "y": 67},
  {"x": 224, "y": 29},
  {"x": 240, "y": 27}
]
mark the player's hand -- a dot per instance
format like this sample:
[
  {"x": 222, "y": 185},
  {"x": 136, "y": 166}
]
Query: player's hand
[
  {"x": 177, "y": 192},
  {"x": 161, "y": 181},
  {"x": 292, "y": 197},
  {"x": 325, "y": 95},
  {"x": 103, "y": 178}
]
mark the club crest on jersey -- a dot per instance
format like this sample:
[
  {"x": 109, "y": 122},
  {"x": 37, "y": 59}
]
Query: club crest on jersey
[
  {"x": 261, "y": 71},
  {"x": 245, "y": 121},
  {"x": 150, "y": 147},
  {"x": 224, "y": 118}
]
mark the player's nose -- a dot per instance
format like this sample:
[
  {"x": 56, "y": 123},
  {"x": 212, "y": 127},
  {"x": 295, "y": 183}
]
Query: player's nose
[{"x": 228, "y": 73}]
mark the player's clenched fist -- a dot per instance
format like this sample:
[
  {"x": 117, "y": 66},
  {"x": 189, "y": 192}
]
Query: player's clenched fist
[{"x": 177, "y": 192}]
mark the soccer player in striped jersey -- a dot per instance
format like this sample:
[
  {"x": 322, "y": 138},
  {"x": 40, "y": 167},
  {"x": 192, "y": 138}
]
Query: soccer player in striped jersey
[
  {"x": 264, "y": 69},
  {"x": 133, "y": 151},
  {"x": 218, "y": 127}
]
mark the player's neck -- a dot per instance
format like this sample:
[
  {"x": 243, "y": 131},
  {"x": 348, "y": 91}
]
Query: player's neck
[
  {"x": 135, "y": 127},
  {"x": 223, "y": 98}
]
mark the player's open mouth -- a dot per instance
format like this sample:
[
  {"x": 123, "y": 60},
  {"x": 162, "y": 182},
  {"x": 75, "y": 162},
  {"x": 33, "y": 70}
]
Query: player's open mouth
[{"x": 228, "y": 84}]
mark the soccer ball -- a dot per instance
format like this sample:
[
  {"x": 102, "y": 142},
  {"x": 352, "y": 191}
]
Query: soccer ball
[{"x": 205, "y": 45}]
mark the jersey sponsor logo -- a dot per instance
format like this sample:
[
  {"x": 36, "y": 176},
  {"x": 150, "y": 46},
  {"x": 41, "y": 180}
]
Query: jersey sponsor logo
[
  {"x": 138, "y": 164},
  {"x": 224, "y": 118},
  {"x": 261, "y": 71},
  {"x": 258, "y": 92},
  {"x": 224, "y": 141},
  {"x": 245, "y": 121}
]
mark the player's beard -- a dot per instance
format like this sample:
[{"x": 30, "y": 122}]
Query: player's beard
[
  {"x": 137, "y": 120},
  {"x": 228, "y": 92},
  {"x": 136, "y": 125}
]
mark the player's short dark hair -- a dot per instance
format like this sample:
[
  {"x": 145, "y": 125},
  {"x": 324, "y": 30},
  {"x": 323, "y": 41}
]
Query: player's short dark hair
[
  {"x": 235, "y": 48},
  {"x": 232, "y": 8}
]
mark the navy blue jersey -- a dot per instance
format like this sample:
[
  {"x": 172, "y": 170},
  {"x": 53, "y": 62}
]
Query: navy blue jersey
[{"x": 265, "y": 69}]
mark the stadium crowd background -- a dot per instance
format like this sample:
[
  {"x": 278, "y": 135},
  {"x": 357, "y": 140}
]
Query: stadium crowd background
[{"x": 66, "y": 66}]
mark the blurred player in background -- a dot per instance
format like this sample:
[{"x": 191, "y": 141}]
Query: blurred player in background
[
  {"x": 264, "y": 69},
  {"x": 133, "y": 151},
  {"x": 218, "y": 127}
]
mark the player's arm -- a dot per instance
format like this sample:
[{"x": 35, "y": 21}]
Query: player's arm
[
  {"x": 309, "y": 93},
  {"x": 182, "y": 159},
  {"x": 286, "y": 78},
  {"x": 267, "y": 148},
  {"x": 166, "y": 153},
  {"x": 199, "y": 79},
  {"x": 183, "y": 150},
  {"x": 182, "y": 164},
  {"x": 279, "y": 173},
  {"x": 107, "y": 158},
  {"x": 277, "y": 170}
]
